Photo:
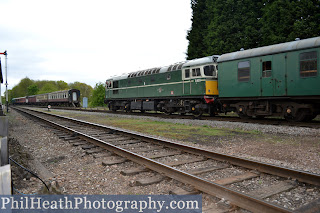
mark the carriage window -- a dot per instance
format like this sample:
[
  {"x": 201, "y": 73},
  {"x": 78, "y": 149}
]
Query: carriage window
[
  {"x": 209, "y": 70},
  {"x": 196, "y": 72},
  {"x": 266, "y": 69},
  {"x": 187, "y": 73},
  {"x": 244, "y": 71},
  {"x": 308, "y": 64}
]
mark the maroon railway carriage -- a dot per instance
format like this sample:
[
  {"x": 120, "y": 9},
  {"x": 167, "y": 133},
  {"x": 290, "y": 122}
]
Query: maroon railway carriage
[{"x": 59, "y": 98}]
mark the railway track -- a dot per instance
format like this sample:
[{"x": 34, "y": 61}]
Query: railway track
[
  {"x": 315, "y": 124},
  {"x": 216, "y": 174}
]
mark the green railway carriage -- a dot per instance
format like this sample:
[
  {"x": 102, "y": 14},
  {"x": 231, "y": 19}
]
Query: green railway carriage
[
  {"x": 281, "y": 80},
  {"x": 182, "y": 87}
]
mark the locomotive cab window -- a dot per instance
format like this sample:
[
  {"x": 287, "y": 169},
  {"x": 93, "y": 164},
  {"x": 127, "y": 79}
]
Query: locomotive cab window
[
  {"x": 308, "y": 64},
  {"x": 187, "y": 73},
  {"x": 196, "y": 72},
  {"x": 109, "y": 84},
  {"x": 209, "y": 71},
  {"x": 244, "y": 71},
  {"x": 266, "y": 69}
]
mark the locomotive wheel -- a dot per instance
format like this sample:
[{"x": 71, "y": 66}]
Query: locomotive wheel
[
  {"x": 198, "y": 114},
  {"x": 243, "y": 116},
  {"x": 167, "y": 112},
  {"x": 301, "y": 115},
  {"x": 127, "y": 108},
  {"x": 114, "y": 108}
]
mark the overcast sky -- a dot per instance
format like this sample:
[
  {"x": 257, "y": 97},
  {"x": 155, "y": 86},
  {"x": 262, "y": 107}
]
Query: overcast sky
[{"x": 90, "y": 41}]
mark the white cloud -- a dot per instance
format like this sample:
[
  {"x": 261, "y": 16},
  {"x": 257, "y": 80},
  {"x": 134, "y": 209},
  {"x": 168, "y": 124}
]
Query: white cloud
[{"x": 89, "y": 41}]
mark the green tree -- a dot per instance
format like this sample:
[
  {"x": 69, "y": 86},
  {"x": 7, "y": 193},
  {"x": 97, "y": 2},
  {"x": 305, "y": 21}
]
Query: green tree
[
  {"x": 234, "y": 25},
  {"x": 48, "y": 87},
  {"x": 307, "y": 19},
  {"x": 61, "y": 85},
  {"x": 277, "y": 22},
  {"x": 222, "y": 26},
  {"x": 21, "y": 89},
  {"x": 98, "y": 95},
  {"x": 32, "y": 89},
  {"x": 197, "y": 47}
]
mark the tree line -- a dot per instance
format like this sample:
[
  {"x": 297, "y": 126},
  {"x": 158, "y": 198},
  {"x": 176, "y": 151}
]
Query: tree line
[
  {"x": 222, "y": 26},
  {"x": 28, "y": 87}
]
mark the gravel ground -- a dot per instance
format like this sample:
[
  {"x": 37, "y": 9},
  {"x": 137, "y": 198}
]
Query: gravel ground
[
  {"x": 294, "y": 147},
  {"x": 77, "y": 173}
]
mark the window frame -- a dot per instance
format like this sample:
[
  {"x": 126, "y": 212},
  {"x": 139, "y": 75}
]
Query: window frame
[
  {"x": 266, "y": 73},
  {"x": 185, "y": 71},
  {"x": 195, "y": 71},
  {"x": 308, "y": 60},
  {"x": 243, "y": 70},
  {"x": 214, "y": 71}
]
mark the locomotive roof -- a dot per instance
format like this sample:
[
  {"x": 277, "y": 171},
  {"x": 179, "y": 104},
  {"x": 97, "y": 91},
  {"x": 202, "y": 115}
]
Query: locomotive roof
[
  {"x": 18, "y": 98},
  {"x": 172, "y": 67},
  {"x": 201, "y": 61},
  {"x": 272, "y": 49}
]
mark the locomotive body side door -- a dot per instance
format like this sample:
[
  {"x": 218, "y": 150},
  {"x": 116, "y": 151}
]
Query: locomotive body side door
[
  {"x": 109, "y": 86},
  {"x": 267, "y": 80},
  {"x": 280, "y": 74},
  {"x": 186, "y": 75}
]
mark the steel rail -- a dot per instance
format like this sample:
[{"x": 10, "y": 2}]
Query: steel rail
[
  {"x": 237, "y": 198},
  {"x": 285, "y": 172}
]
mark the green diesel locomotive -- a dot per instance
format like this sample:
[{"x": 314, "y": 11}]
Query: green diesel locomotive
[{"x": 187, "y": 87}]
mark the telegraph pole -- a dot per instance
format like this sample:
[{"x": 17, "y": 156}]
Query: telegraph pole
[
  {"x": 1, "y": 80},
  {"x": 6, "y": 58}
]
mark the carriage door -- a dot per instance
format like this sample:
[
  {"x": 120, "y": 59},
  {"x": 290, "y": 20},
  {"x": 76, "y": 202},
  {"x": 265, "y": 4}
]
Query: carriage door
[
  {"x": 267, "y": 81},
  {"x": 186, "y": 81},
  {"x": 74, "y": 96}
]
